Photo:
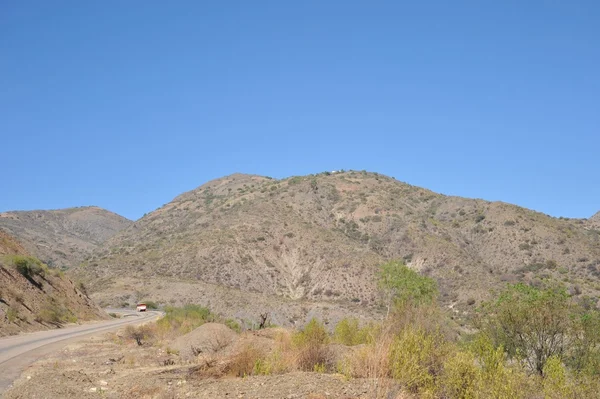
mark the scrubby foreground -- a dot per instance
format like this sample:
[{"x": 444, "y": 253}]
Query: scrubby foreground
[{"x": 529, "y": 343}]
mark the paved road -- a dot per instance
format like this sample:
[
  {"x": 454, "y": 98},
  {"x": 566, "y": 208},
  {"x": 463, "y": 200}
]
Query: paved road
[{"x": 19, "y": 351}]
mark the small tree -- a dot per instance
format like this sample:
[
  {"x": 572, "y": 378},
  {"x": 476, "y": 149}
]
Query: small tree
[
  {"x": 402, "y": 285},
  {"x": 139, "y": 334},
  {"x": 532, "y": 325}
]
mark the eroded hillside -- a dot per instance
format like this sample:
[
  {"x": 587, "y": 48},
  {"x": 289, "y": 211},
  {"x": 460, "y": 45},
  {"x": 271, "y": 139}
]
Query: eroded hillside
[
  {"x": 321, "y": 237},
  {"x": 61, "y": 238}
]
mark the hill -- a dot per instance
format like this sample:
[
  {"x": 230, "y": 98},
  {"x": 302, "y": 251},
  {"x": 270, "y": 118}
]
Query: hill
[
  {"x": 320, "y": 238},
  {"x": 594, "y": 221},
  {"x": 62, "y": 237},
  {"x": 33, "y": 297}
]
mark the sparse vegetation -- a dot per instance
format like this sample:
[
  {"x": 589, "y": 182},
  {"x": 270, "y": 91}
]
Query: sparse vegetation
[
  {"x": 179, "y": 321},
  {"x": 28, "y": 266}
]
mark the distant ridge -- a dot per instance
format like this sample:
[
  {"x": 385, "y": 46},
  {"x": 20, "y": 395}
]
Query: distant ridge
[{"x": 62, "y": 237}]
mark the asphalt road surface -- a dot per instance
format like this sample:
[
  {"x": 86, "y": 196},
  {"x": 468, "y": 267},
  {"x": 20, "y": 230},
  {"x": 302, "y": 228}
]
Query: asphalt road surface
[{"x": 19, "y": 351}]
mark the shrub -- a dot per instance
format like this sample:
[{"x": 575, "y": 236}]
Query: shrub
[
  {"x": 54, "y": 313},
  {"x": 12, "y": 315},
  {"x": 369, "y": 361},
  {"x": 181, "y": 320},
  {"x": 348, "y": 332},
  {"x": 81, "y": 287},
  {"x": 29, "y": 266},
  {"x": 246, "y": 362},
  {"x": 310, "y": 346},
  {"x": 461, "y": 377},
  {"x": 234, "y": 325},
  {"x": 403, "y": 285},
  {"x": 416, "y": 358},
  {"x": 141, "y": 335},
  {"x": 531, "y": 325},
  {"x": 555, "y": 380},
  {"x": 497, "y": 379}
]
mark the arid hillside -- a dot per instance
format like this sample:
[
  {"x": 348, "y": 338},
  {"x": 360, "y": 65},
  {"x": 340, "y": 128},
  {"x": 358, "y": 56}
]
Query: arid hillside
[
  {"x": 321, "y": 237},
  {"x": 594, "y": 221},
  {"x": 34, "y": 297},
  {"x": 61, "y": 238}
]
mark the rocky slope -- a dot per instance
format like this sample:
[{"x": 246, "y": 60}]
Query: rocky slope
[
  {"x": 62, "y": 237},
  {"x": 33, "y": 297},
  {"x": 321, "y": 237}
]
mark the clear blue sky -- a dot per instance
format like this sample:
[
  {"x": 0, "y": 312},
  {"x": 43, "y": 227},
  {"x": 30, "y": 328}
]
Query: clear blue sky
[{"x": 126, "y": 104}]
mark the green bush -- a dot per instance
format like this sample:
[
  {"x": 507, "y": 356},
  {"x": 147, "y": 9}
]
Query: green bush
[
  {"x": 12, "y": 315},
  {"x": 556, "y": 384},
  {"x": 348, "y": 332},
  {"x": 29, "y": 266},
  {"x": 234, "y": 325},
  {"x": 310, "y": 344},
  {"x": 416, "y": 358},
  {"x": 531, "y": 325},
  {"x": 181, "y": 320},
  {"x": 54, "y": 313},
  {"x": 461, "y": 377},
  {"x": 402, "y": 285}
]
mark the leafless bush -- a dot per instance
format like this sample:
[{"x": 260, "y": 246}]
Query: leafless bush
[{"x": 142, "y": 334}]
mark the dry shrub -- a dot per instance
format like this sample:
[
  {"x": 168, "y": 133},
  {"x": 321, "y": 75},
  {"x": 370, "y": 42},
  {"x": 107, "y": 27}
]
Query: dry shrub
[
  {"x": 370, "y": 360},
  {"x": 142, "y": 335},
  {"x": 310, "y": 344},
  {"x": 417, "y": 358},
  {"x": 244, "y": 362},
  {"x": 282, "y": 359}
]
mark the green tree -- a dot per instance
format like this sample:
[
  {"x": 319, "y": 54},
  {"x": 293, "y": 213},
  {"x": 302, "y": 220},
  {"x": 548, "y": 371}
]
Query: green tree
[
  {"x": 531, "y": 324},
  {"x": 402, "y": 285}
]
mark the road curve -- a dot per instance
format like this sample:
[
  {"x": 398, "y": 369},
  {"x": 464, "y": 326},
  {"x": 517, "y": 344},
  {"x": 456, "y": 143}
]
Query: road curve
[{"x": 19, "y": 351}]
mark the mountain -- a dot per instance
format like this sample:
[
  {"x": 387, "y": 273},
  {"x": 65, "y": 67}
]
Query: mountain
[
  {"x": 34, "y": 297},
  {"x": 62, "y": 237},
  {"x": 319, "y": 239}
]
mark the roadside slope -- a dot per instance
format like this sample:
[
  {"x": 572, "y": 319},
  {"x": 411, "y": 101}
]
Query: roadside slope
[{"x": 34, "y": 297}]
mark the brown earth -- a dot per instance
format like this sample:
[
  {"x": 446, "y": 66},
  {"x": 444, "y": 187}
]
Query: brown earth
[
  {"x": 61, "y": 238},
  {"x": 321, "y": 237},
  {"x": 38, "y": 301}
]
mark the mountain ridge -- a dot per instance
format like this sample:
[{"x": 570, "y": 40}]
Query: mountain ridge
[
  {"x": 321, "y": 237},
  {"x": 61, "y": 237}
]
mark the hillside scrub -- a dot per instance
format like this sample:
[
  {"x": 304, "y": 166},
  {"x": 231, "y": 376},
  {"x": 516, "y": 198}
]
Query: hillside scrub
[
  {"x": 28, "y": 266},
  {"x": 535, "y": 325},
  {"x": 415, "y": 348}
]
